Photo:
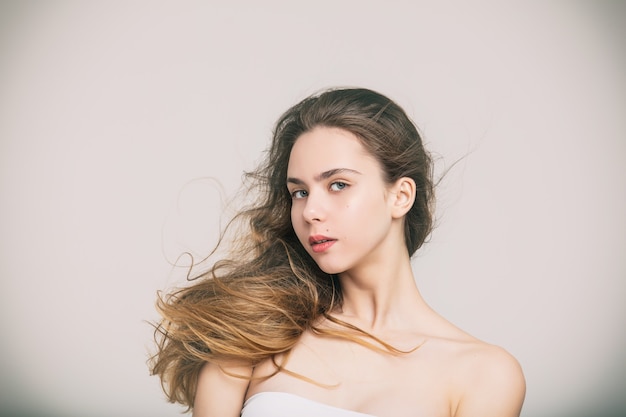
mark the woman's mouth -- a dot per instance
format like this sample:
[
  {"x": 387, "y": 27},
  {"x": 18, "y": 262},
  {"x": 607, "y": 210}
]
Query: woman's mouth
[{"x": 321, "y": 243}]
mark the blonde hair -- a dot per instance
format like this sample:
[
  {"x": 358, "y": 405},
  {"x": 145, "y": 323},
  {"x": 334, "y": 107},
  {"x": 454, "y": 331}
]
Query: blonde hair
[{"x": 257, "y": 302}]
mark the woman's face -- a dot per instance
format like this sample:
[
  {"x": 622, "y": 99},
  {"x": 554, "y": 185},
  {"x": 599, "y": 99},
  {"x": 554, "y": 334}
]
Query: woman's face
[{"x": 340, "y": 207}]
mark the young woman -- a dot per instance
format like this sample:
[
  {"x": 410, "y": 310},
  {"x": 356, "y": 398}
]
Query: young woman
[{"x": 316, "y": 311}]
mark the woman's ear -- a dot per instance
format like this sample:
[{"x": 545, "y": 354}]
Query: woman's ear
[{"x": 402, "y": 197}]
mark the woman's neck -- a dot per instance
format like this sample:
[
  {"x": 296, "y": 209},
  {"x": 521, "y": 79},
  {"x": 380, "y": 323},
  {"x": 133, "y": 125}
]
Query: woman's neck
[{"x": 382, "y": 296}]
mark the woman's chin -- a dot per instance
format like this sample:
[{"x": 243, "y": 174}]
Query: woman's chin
[{"x": 331, "y": 269}]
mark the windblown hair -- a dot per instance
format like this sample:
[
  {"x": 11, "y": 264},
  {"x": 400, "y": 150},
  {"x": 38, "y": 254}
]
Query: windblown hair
[{"x": 257, "y": 302}]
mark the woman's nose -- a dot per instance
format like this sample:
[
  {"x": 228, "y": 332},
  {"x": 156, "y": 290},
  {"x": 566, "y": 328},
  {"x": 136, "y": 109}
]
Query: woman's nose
[{"x": 314, "y": 209}]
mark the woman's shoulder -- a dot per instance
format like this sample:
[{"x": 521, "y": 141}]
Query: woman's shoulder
[
  {"x": 476, "y": 358},
  {"x": 484, "y": 379},
  {"x": 221, "y": 389},
  {"x": 488, "y": 380}
]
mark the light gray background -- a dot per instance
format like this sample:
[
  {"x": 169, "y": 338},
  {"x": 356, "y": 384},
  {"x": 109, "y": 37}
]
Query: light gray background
[{"x": 114, "y": 114}]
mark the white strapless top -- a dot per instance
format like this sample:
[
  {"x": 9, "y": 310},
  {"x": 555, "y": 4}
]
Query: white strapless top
[{"x": 283, "y": 404}]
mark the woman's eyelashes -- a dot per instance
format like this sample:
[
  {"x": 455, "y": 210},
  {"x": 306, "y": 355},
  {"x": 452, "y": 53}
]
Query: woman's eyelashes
[
  {"x": 297, "y": 194},
  {"x": 334, "y": 186},
  {"x": 337, "y": 186}
]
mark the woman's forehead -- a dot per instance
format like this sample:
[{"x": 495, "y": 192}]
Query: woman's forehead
[{"x": 324, "y": 148}]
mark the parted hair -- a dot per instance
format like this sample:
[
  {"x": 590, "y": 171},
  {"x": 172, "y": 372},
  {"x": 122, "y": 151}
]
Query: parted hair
[{"x": 256, "y": 302}]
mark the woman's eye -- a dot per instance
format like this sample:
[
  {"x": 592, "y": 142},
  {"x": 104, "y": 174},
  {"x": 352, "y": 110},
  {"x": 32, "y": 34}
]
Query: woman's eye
[
  {"x": 298, "y": 194},
  {"x": 338, "y": 185}
]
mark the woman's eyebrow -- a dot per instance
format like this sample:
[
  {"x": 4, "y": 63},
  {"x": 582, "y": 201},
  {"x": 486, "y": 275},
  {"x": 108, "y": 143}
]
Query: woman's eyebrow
[{"x": 324, "y": 175}]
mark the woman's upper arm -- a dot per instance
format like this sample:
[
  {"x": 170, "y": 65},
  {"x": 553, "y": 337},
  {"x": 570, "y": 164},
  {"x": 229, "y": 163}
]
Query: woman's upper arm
[
  {"x": 495, "y": 386},
  {"x": 221, "y": 391}
]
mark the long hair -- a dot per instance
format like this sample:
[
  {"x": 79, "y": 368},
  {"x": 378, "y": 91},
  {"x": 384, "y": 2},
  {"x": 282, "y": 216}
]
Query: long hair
[{"x": 256, "y": 303}]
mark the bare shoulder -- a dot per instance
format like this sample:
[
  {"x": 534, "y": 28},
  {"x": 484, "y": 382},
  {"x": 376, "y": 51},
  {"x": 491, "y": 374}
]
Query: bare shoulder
[
  {"x": 490, "y": 382},
  {"x": 221, "y": 390}
]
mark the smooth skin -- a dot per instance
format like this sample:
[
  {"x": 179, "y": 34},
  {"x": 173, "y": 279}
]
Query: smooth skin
[{"x": 338, "y": 192}]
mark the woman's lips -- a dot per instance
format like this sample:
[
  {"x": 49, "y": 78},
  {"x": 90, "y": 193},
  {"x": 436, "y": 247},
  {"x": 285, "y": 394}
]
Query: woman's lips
[{"x": 321, "y": 243}]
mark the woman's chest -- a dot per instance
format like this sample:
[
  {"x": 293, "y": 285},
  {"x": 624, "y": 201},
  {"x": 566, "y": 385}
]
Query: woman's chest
[{"x": 348, "y": 376}]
